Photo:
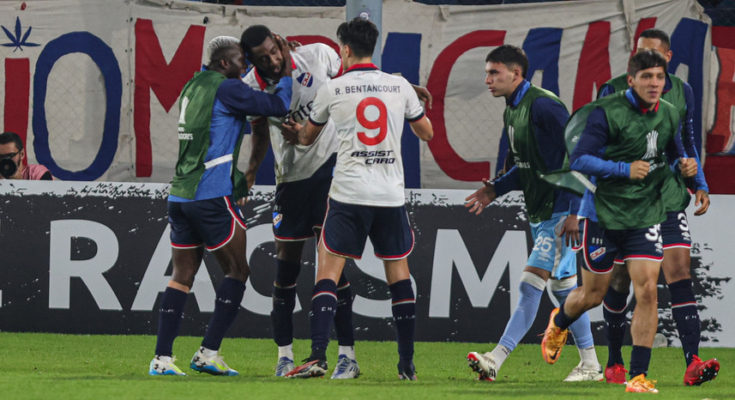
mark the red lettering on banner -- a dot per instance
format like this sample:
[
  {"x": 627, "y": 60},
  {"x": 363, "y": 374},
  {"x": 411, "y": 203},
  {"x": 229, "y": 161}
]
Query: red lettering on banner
[
  {"x": 723, "y": 36},
  {"x": 721, "y": 134},
  {"x": 643, "y": 24},
  {"x": 594, "y": 63},
  {"x": 718, "y": 170},
  {"x": 448, "y": 160},
  {"x": 165, "y": 79},
  {"x": 17, "y": 93}
]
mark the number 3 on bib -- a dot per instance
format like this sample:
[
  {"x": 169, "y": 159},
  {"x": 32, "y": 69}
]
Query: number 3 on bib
[{"x": 380, "y": 123}]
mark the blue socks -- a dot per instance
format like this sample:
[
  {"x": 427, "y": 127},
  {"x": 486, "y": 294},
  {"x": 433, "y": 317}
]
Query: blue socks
[
  {"x": 684, "y": 311},
  {"x": 343, "y": 316},
  {"x": 323, "y": 308},
  {"x": 523, "y": 316},
  {"x": 229, "y": 296},
  {"x": 404, "y": 316},
  {"x": 284, "y": 301},
  {"x": 170, "y": 313},
  {"x": 614, "y": 309}
]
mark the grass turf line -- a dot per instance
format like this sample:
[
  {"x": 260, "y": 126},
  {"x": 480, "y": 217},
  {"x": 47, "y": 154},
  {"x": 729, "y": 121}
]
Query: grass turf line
[{"x": 54, "y": 366}]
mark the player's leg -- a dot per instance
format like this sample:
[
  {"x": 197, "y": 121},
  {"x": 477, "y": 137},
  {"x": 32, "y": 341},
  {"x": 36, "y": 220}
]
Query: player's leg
[
  {"x": 677, "y": 271},
  {"x": 598, "y": 253},
  {"x": 614, "y": 310},
  {"x": 343, "y": 236},
  {"x": 642, "y": 250},
  {"x": 393, "y": 241},
  {"x": 319, "y": 185},
  {"x": 563, "y": 281},
  {"x": 347, "y": 366},
  {"x": 547, "y": 249},
  {"x": 531, "y": 288},
  {"x": 288, "y": 266},
  {"x": 644, "y": 275},
  {"x": 588, "y": 368},
  {"x": 403, "y": 308},
  {"x": 226, "y": 239},
  {"x": 186, "y": 257}
]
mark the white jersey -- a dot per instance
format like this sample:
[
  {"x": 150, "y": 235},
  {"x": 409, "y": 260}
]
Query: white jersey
[
  {"x": 368, "y": 108},
  {"x": 313, "y": 65}
]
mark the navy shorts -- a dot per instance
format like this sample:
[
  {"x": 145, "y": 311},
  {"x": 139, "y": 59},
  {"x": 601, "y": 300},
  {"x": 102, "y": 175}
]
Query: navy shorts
[
  {"x": 347, "y": 226},
  {"x": 210, "y": 222},
  {"x": 299, "y": 206},
  {"x": 675, "y": 231},
  {"x": 601, "y": 248}
]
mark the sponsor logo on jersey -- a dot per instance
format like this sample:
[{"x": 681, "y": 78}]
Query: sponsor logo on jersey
[
  {"x": 305, "y": 79},
  {"x": 302, "y": 112},
  {"x": 277, "y": 219},
  {"x": 375, "y": 156},
  {"x": 597, "y": 252}
]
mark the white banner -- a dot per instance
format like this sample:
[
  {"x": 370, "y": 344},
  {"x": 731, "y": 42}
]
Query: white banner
[{"x": 92, "y": 85}]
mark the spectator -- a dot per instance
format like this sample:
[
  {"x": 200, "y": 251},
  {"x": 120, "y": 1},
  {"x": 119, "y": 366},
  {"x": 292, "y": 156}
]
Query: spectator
[{"x": 11, "y": 160}]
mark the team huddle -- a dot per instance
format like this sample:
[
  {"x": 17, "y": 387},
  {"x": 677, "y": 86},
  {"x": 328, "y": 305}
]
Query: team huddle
[{"x": 334, "y": 123}]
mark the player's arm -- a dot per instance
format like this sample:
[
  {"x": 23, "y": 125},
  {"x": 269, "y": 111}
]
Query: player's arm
[
  {"x": 508, "y": 178},
  {"x": 549, "y": 118},
  {"x": 317, "y": 118},
  {"x": 241, "y": 99},
  {"x": 701, "y": 189},
  {"x": 587, "y": 155},
  {"x": 414, "y": 113},
  {"x": 260, "y": 140},
  {"x": 675, "y": 151},
  {"x": 422, "y": 128},
  {"x": 424, "y": 95},
  {"x": 501, "y": 185},
  {"x": 309, "y": 132}
]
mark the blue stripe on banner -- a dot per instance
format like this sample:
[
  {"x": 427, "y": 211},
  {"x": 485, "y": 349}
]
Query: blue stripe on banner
[{"x": 402, "y": 53}]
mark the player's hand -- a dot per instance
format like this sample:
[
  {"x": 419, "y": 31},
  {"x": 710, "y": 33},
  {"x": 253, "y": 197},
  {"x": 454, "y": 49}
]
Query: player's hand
[
  {"x": 293, "y": 44},
  {"x": 476, "y": 202},
  {"x": 688, "y": 167},
  {"x": 241, "y": 201},
  {"x": 424, "y": 95},
  {"x": 287, "y": 66},
  {"x": 570, "y": 228},
  {"x": 639, "y": 169},
  {"x": 290, "y": 131},
  {"x": 701, "y": 197}
]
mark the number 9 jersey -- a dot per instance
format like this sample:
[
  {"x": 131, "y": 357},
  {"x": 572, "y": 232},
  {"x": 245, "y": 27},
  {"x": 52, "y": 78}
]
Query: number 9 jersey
[{"x": 368, "y": 108}]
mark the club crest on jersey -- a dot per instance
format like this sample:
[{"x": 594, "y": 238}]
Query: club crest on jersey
[
  {"x": 277, "y": 219},
  {"x": 305, "y": 79},
  {"x": 597, "y": 253}
]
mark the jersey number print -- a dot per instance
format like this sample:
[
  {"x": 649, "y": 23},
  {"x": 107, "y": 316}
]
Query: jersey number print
[{"x": 380, "y": 123}]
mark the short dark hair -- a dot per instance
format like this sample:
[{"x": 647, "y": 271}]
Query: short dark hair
[
  {"x": 254, "y": 36},
  {"x": 360, "y": 34},
  {"x": 644, "y": 60},
  {"x": 657, "y": 34},
  {"x": 7, "y": 137},
  {"x": 509, "y": 55}
]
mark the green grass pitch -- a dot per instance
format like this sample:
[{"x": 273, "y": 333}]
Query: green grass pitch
[{"x": 54, "y": 366}]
